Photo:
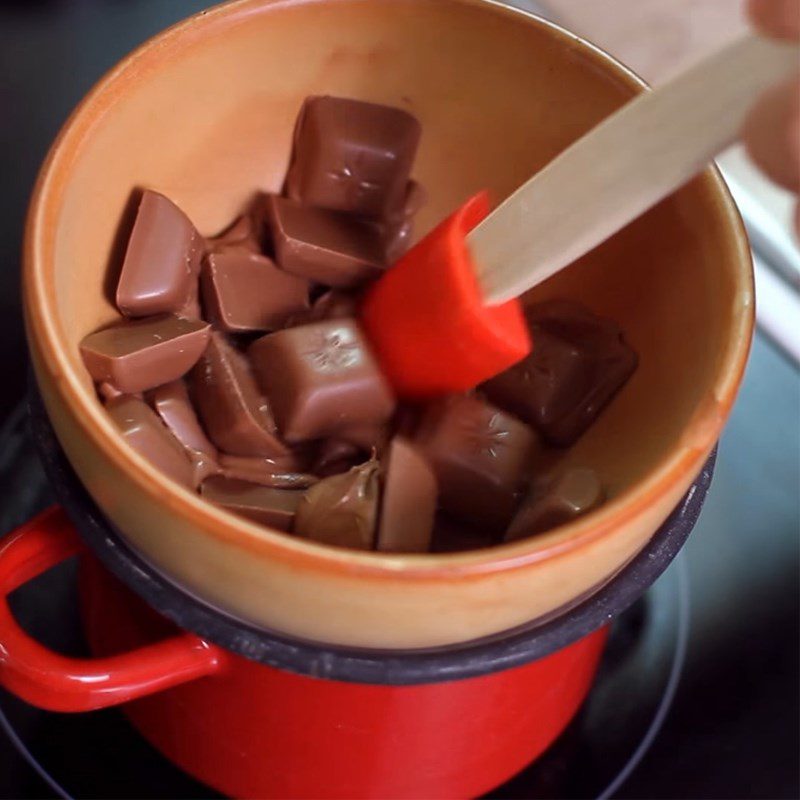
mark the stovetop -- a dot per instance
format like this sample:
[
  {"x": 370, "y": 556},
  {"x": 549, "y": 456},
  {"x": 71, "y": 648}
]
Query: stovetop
[{"x": 731, "y": 728}]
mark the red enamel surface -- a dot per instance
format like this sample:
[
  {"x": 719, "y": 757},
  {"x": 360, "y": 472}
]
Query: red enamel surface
[
  {"x": 250, "y": 730},
  {"x": 58, "y": 683},
  {"x": 254, "y": 731}
]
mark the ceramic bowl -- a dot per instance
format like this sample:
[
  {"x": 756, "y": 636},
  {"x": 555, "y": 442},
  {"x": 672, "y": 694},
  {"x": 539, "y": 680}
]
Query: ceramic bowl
[{"x": 204, "y": 113}]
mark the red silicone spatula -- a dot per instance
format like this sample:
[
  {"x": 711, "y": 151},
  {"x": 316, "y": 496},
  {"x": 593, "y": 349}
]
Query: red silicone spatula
[{"x": 445, "y": 317}]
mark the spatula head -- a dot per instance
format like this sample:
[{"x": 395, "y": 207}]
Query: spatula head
[{"x": 427, "y": 321}]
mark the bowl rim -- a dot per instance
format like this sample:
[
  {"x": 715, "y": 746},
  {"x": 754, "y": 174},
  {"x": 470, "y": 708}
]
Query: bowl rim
[{"x": 45, "y": 342}]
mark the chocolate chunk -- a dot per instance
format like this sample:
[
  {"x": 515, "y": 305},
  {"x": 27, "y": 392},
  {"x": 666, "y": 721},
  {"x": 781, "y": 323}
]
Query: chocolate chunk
[
  {"x": 143, "y": 431},
  {"x": 280, "y": 473},
  {"x": 162, "y": 260},
  {"x": 409, "y": 500},
  {"x": 171, "y": 402},
  {"x": 235, "y": 414},
  {"x": 142, "y": 354},
  {"x": 321, "y": 379},
  {"x": 243, "y": 234},
  {"x": 333, "y": 304},
  {"x": 336, "y": 456},
  {"x": 325, "y": 246},
  {"x": 243, "y": 291},
  {"x": 109, "y": 392},
  {"x": 272, "y": 507},
  {"x": 352, "y": 156},
  {"x": 578, "y": 363},
  {"x": 555, "y": 501},
  {"x": 481, "y": 457},
  {"x": 341, "y": 510},
  {"x": 398, "y": 229}
]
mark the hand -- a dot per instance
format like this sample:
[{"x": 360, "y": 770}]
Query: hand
[{"x": 771, "y": 131}]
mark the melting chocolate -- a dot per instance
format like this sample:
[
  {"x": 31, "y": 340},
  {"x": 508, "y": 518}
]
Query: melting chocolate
[
  {"x": 554, "y": 501},
  {"x": 352, "y": 156},
  {"x": 162, "y": 261},
  {"x": 171, "y": 402},
  {"x": 321, "y": 379},
  {"x": 280, "y": 473},
  {"x": 335, "y": 456},
  {"x": 143, "y": 431},
  {"x": 137, "y": 355},
  {"x": 341, "y": 510},
  {"x": 236, "y": 415},
  {"x": 349, "y": 213},
  {"x": 274, "y": 508}
]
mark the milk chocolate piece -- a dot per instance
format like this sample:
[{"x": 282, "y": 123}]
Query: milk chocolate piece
[
  {"x": 352, "y": 156},
  {"x": 162, "y": 260},
  {"x": 272, "y": 507},
  {"x": 280, "y": 473},
  {"x": 481, "y": 457},
  {"x": 243, "y": 234},
  {"x": 324, "y": 246},
  {"x": 243, "y": 291},
  {"x": 336, "y": 456},
  {"x": 171, "y": 402},
  {"x": 321, "y": 379},
  {"x": 333, "y": 304},
  {"x": 408, "y": 506},
  {"x": 341, "y": 510},
  {"x": 554, "y": 501},
  {"x": 578, "y": 363},
  {"x": 143, "y": 431},
  {"x": 235, "y": 414},
  {"x": 137, "y": 355},
  {"x": 399, "y": 228}
]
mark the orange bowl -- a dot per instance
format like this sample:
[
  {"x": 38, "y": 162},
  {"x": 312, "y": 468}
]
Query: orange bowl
[{"x": 204, "y": 113}]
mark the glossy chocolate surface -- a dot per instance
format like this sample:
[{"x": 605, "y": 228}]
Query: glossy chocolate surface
[
  {"x": 243, "y": 291},
  {"x": 578, "y": 363},
  {"x": 342, "y": 510},
  {"x": 321, "y": 379},
  {"x": 352, "y": 156},
  {"x": 555, "y": 500},
  {"x": 409, "y": 498},
  {"x": 274, "y": 508},
  {"x": 283, "y": 472},
  {"x": 172, "y": 404},
  {"x": 482, "y": 458},
  {"x": 133, "y": 356},
  {"x": 235, "y": 414},
  {"x": 325, "y": 246},
  {"x": 162, "y": 260},
  {"x": 144, "y": 432},
  {"x": 284, "y": 415}
]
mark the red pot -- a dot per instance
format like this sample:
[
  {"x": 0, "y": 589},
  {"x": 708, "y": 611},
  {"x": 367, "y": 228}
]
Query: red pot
[{"x": 255, "y": 714}]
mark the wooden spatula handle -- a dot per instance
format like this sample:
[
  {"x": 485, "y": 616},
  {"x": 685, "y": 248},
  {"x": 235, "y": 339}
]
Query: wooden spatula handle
[{"x": 622, "y": 167}]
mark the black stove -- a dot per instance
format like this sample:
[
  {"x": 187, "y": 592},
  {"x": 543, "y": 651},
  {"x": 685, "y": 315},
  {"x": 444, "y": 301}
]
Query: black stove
[{"x": 698, "y": 695}]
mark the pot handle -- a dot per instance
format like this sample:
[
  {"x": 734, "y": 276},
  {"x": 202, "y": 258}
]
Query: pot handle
[{"x": 58, "y": 683}]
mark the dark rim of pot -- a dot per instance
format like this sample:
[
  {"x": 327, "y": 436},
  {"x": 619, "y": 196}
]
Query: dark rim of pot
[{"x": 501, "y": 651}]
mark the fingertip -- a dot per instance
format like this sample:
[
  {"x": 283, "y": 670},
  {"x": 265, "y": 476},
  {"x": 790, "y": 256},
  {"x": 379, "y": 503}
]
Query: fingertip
[
  {"x": 771, "y": 134},
  {"x": 779, "y": 19}
]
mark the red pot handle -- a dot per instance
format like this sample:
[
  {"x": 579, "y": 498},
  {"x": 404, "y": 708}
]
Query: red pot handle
[{"x": 58, "y": 683}]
